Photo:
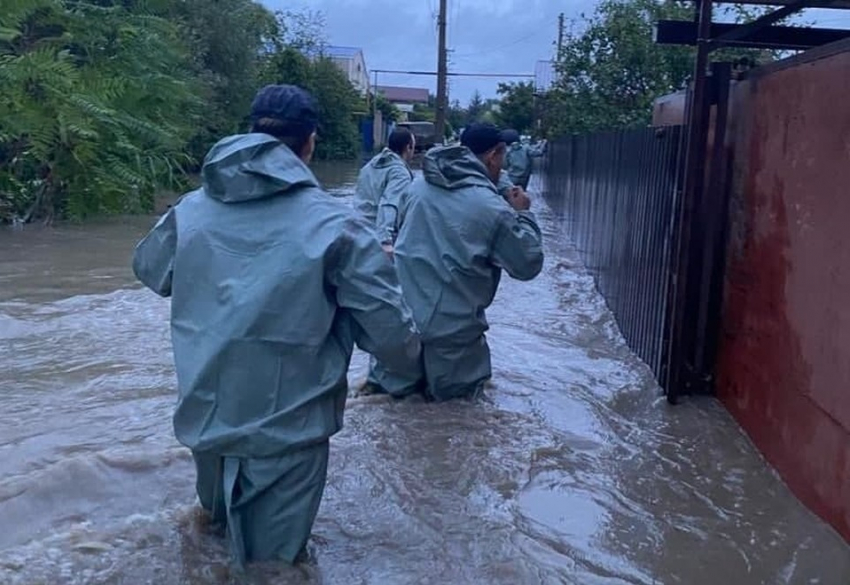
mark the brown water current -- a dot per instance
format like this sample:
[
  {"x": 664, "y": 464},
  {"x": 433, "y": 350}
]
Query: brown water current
[{"x": 571, "y": 469}]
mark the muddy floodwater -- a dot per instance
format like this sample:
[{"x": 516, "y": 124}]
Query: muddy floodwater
[{"x": 571, "y": 469}]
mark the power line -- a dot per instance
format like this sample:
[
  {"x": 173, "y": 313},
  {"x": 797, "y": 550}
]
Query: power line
[
  {"x": 499, "y": 47},
  {"x": 452, "y": 73}
]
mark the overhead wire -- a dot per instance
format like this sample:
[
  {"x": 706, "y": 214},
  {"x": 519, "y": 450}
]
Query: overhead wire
[{"x": 499, "y": 47}]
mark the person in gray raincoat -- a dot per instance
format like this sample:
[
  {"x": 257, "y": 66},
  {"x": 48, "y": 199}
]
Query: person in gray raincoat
[
  {"x": 382, "y": 182},
  {"x": 504, "y": 185},
  {"x": 457, "y": 237},
  {"x": 518, "y": 159},
  {"x": 272, "y": 281},
  {"x": 381, "y": 188}
]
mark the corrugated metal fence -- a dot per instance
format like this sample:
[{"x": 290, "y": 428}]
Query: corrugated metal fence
[{"x": 616, "y": 194}]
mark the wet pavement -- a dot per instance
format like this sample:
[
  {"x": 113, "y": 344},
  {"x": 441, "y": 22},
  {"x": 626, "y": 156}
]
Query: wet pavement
[{"x": 572, "y": 468}]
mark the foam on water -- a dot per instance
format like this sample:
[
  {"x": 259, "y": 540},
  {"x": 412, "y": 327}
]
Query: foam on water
[{"x": 571, "y": 469}]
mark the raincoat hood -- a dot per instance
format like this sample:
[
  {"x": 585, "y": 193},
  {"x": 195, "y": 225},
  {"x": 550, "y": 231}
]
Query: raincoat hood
[
  {"x": 385, "y": 159},
  {"x": 248, "y": 167},
  {"x": 456, "y": 237},
  {"x": 268, "y": 298},
  {"x": 455, "y": 167}
]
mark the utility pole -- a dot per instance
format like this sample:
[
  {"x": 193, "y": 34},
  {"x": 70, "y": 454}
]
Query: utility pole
[
  {"x": 442, "y": 74},
  {"x": 374, "y": 94},
  {"x": 560, "y": 34},
  {"x": 376, "y": 128}
]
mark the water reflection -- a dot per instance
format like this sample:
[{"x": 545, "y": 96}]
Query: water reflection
[
  {"x": 337, "y": 178},
  {"x": 571, "y": 470}
]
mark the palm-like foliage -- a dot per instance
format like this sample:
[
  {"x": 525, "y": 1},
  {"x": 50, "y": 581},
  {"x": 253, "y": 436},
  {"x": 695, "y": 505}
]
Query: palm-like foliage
[
  {"x": 103, "y": 103},
  {"x": 93, "y": 111}
]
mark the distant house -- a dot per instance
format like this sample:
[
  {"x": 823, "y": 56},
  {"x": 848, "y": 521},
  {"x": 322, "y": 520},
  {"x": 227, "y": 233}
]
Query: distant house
[
  {"x": 404, "y": 98},
  {"x": 351, "y": 61}
]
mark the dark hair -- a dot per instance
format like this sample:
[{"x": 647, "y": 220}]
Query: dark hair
[
  {"x": 293, "y": 135},
  {"x": 400, "y": 138}
]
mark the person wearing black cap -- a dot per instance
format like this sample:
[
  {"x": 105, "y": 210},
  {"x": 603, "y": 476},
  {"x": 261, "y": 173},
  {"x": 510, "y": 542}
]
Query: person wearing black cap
[
  {"x": 457, "y": 236},
  {"x": 272, "y": 281},
  {"x": 382, "y": 182},
  {"x": 380, "y": 191}
]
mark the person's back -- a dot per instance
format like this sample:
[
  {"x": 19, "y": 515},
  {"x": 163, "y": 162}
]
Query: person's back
[
  {"x": 272, "y": 281},
  {"x": 249, "y": 303},
  {"x": 457, "y": 236},
  {"x": 518, "y": 162},
  {"x": 380, "y": 196},
  {"x": 382, "y": 182}
]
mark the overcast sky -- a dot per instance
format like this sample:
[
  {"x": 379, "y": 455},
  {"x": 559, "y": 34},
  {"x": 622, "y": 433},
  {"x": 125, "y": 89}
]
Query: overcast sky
[{"x": 486, "y": 36}]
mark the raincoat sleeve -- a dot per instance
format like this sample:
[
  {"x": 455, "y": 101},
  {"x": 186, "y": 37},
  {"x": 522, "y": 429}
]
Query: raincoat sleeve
[
  {"x": 538, "y": 149},
  {"x": 504, "y": 185},
  {"x": 391, "y": 199},
  {"x": 367, "y": 288},
  {"x": 517, "y": 245},
  {"x": 153, "y": 259}
]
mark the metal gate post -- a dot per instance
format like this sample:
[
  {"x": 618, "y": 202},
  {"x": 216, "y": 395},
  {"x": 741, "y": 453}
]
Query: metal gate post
[{"x": 678, "y": 379}]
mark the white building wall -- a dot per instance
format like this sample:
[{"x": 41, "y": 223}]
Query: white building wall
[{"x": 355, "y": 69}]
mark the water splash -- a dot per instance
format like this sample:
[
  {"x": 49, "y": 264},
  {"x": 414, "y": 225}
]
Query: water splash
[{"x": 571, "y": 469}]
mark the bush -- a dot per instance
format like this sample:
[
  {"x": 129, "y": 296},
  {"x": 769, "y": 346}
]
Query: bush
[{"x": 106, "y": 103}]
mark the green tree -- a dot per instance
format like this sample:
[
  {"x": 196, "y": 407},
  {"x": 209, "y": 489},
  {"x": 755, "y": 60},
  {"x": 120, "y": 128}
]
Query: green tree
[
  {"x": 456, "y": 116},
  {"x": 295, "y": 55},
  {"x": 610, "y": 73},
  {"x": 104, "y": 103},
  {"x": 422, "y": 113},
  {"x": 476, "y": 108},
  {"x": 388, "y": 110},
  {"x": 287, "y": 65},
  {"x": 96, "y": 109},
  {"x": 516, "y": 107},
  {"x": 303, "y": 30},
  {"x": 338, "y": 105},
  {"x": 225, "y": 38}
]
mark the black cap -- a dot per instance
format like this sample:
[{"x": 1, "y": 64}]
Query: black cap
[
  {"x": 479, "y": 137},
  {"x": 511, "y": 136},
  {"x": 287, "y": 103}
]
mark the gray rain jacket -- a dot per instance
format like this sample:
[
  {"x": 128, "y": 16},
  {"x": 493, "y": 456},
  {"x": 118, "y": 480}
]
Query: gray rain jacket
[
  {"x": 457, "y": 236},
  {"x": 272, "y": 282},
  {"x": 518, "y": 162},
  {"x": 380, "y": 188}
]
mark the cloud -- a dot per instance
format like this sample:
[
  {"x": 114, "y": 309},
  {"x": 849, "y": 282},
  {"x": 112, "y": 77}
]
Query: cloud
[
  {"x": 485, "y": 36},
  {"x": 506, "y": 36}
]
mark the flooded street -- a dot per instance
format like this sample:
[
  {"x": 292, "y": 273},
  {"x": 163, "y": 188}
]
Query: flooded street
[{"x": 572, "y": 469}]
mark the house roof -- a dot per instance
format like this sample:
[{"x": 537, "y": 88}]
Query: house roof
[
  {"x": 338, "y": 51},
  {"x": 333, "y": 51},
  {"x": 393, "y": 93}
]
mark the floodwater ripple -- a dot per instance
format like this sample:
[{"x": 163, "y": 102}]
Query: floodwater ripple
[{"x": 571, "y": 469}]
